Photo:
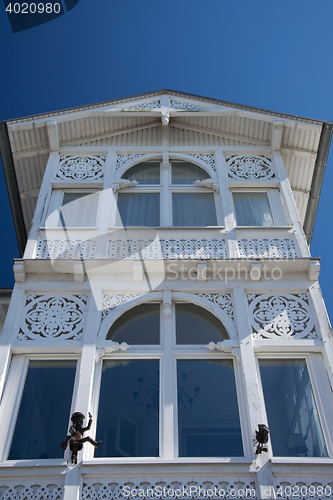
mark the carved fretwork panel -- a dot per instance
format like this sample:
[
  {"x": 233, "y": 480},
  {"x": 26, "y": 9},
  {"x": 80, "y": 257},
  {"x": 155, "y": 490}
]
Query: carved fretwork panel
[
  {"x": 53, "y": 317},
  {"x": 221, "y": 487},
  {"x": 223, "y": 300},
  {"x": 145, "y": 105},
  {"x": 173, "y": 248},
  {"x": 111, "y": 301},
  {"x": 209, "y": 159},
  {"x": 20, "y": 491},
  {"x": 259, "y": 167},
  {"x": 268, "y": 248},
  {"x": 81, "y": 168},
  {"x": 281, "y": 316},
  {"x": 186, "y": 106},
  {"x": 65, "y": 249},
  {"x": 122, "y": 159}
]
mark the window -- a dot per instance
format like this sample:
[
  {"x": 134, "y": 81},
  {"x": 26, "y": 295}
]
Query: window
[
  {"x": 46, "y": 397},
  {"x": 292, "y": 413},
  {"x": 149, "y": 390},
  {"x": 174, "y": 201},
  {"x": 72, "y": 209},
  {"x": 252, "y": 209}
]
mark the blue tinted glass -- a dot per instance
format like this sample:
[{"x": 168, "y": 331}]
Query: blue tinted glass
[
  {"x": 208, "y": 419},
  {"x": 43, "y": 418},
  {"x": 128, "y": 413},
  {"x": 293, "y": 419},
  {"x": 145, "y": 173},
  {"x": 193, "y": 209},
  {"x": 139, "y": 209},
  {"x": 139, "y": 325}
]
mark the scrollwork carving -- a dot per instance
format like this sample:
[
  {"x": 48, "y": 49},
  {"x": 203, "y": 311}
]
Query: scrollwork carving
[
  {"x": 81, "y": 168},
  {"x": 173, "y": 248},
  {"x": 145, "y": 105},
  {"x": 223, "y": 300},
  {"x": 268, "y": 248},
  {"x": 33, "y": 492},
  {"x": 125, "y": 158},
  {"x": 282, "y": 316},
  {"x": 53, "y": 317},
  {"x": 111, "y": 301},
  {"x": 250, "y": 167},
  {"x": 209, "y": 159},
  {"x": 186, "y": 106},
  {"x": 65, "y": 249}
]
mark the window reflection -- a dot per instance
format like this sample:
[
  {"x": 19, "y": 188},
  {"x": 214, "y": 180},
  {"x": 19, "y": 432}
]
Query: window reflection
[
  {"x": 128, "y": 414},
  {"x": 208, "y": 425},
  {"x": 147, "y": 172},
  {"x": 140, "y": 325},
  {"x": 195, "y": 325},
  {"x": 48, "y": 388},
  {"x": 293, "y": 419}
]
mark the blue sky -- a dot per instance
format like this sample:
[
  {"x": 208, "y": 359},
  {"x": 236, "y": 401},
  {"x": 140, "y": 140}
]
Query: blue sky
[{"x": 274, "y": 54}]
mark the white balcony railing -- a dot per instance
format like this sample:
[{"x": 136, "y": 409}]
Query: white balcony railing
[{"x": 165, "y": 243}]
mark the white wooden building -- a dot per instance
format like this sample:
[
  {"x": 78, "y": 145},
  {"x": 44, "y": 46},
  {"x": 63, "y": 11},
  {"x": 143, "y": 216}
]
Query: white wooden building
[{"x": 166, "y": 287}]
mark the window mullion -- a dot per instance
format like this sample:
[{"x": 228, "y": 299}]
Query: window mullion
[
  {"x": 167, "y": 384},
  {"x": 165, "y": 197}
]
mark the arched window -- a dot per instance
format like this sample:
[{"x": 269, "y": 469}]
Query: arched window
[
  {"x": 168, "y": 387},
  {"x": 166, "y": 197}
]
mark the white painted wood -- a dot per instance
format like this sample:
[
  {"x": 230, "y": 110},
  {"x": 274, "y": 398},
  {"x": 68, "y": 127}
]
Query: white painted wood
[
  {"x": 11, "y": 402},
  {"x": 290, "y": 206},
  {"x": 254, "y": 412}
]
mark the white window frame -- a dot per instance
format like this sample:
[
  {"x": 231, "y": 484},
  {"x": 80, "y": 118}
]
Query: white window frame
[
  {"x": 274, "y": 201},
  {"x": 168, "y": 353},
  {"x": 321, "y": 394},
  {"x": 12, "y": 396},
  {"x": 166, "y": 189},
  {"x": 52, "y": 215}
]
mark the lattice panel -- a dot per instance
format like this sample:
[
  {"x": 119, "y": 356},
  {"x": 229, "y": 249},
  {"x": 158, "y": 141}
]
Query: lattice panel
[
  {"x": 177, "y": 248},
  {"x": 186, "y": 106},
  {"x": 269, "y": 248},
  {"x": 81, "y": 168},
  {"x": 20, "y": 491},
  {"x": 66, "y": 249},
  {"x": 53, "y": 317},
  {"x": 304, "y": 488},
  {"x": 113, "y": 300},
  {"x": 223, "y": 300},
  {"x": 228, "y": 487},
  {"x": 126, "y": 158},
  {"x": 282, "y": 316},
  {"x": 258, "y": 167},
  {"x": 209, "y": 159},
  {"x": 145, "y": 105}
]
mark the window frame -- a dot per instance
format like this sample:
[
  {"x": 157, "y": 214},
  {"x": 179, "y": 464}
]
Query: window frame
[
  {"x": 321, "y": 394},
  {"x": 12, "y": 397},
  {"x": 168, "y": 353},
  {"x": 52, "y": 214},
  {"x": 166, "y": 189},
  {"x": 274, "y": 201}
]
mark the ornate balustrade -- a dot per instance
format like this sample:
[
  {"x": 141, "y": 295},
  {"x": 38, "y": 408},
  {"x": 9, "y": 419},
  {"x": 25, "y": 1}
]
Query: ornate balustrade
[{"x": 165, "y": 243}]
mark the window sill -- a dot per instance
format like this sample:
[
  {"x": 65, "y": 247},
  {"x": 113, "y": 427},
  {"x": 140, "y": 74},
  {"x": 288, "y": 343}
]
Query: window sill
[{"x": 177, "y": 461}]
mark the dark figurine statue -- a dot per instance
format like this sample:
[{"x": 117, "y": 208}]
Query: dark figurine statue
[
  {"x": 262, "y": 438},
  {"x": 75, "y": 438}
]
